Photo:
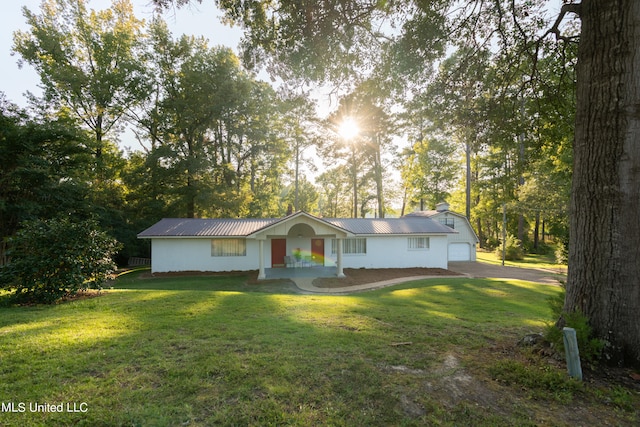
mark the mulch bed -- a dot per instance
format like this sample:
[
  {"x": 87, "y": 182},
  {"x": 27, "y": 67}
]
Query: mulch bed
[{"x": 361, "y": 276}]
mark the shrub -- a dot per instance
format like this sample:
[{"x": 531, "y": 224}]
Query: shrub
[
  {"x": 54, "y": 258},
  {"x": 590, "y": 348},
  {"x": 562, "y": 251},
  {"x": 491, "y": 243},
  {"x": 542, "y": 249},
  {"x": 513, "y": 249}
]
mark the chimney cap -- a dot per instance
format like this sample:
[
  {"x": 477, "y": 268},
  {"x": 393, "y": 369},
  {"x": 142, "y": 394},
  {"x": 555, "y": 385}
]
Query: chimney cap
[{"x": 442, "y": 206}]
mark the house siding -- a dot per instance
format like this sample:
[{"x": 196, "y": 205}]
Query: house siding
[
  {"x": 465, "y": 232},
  {"x": 393, "y": 252},
  {"x": 194, "y": 254},
  {"x": 169, "y": 255}
]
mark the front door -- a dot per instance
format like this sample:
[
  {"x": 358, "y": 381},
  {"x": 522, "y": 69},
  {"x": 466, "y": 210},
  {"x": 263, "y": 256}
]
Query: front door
[
  {"x": 317, "y": 251},
  {"x": 278, "y": 252}
]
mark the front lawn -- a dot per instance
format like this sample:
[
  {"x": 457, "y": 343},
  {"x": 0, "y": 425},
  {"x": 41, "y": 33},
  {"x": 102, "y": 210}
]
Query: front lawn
[
  {"x": 546, "y": 262},
  {"x": 437, "y": 351}
]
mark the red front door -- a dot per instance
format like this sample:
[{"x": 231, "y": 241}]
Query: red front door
[
  {"x": 278, "y": 252},
  {"x": 317, "y": 251}
]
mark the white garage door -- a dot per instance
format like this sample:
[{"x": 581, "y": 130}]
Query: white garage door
[{"x": 459, "y": 252}]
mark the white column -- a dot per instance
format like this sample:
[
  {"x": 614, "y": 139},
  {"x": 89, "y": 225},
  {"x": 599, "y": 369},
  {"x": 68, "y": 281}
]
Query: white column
[
  {"x": 339, "y": 260},
  {"x": 261, "y": 274}
]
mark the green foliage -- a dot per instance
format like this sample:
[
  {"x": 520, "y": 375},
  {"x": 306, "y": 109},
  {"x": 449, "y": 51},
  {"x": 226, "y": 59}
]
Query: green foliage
[
  {"x": 562, "y": 250},
  {"x": 590, "y": 348},
  {"x": 540, "y": 380},
  {"x": 43, "y": 168},
  {"x": 53, "y": 258},
  {"x": 218, "y": 145},
  {"x": 429, "y": 169},
  {"x": 513, "y": 249},
  {"x": 88, "y": 61}
]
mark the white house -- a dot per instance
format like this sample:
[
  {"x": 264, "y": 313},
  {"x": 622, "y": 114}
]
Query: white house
[
  {"x": 297, "y": 240},
  {"x": 462, "y": 245}
]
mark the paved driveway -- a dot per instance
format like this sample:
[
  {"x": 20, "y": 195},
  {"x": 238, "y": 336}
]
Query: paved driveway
[{"x": 482, "y": 270}]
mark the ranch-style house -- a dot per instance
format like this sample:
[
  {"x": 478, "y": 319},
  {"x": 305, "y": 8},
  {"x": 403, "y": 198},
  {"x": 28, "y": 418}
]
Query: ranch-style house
[{"x": 299, "y": 240}]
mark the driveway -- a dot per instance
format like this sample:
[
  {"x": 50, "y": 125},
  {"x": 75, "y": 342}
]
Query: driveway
[{"x": 483, "y": 270}]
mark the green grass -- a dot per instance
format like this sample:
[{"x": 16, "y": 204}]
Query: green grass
[
  {"x": 546, "y": 262},
  {"x": 221, "y": 357},
  {"x": 140, "y": 279}
]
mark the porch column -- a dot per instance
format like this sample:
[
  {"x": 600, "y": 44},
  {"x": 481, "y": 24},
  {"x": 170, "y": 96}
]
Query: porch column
[
  {"x": 339, "y": 260},
  {"x": 261, "y": 274}
]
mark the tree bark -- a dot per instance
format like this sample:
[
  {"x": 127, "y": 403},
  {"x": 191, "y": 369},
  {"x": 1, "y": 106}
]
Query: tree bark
[
  {"x": 467, "y": 154},
  {"x": 377, "y": 160},
  {"x": 604, "y": 251}
]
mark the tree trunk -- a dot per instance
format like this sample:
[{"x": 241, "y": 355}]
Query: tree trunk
[
  {"x": 536, "y": 231},
  {"x": 467, "y": 153},
  {"x": 296, "y": 203},
  {"x": 354, "y": 176},
  {"x": 604, "y": 250},
  {"x": 378, "y": 175}
]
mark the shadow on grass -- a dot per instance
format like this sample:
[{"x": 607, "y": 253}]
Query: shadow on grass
[{"x": 176, "y": 356}]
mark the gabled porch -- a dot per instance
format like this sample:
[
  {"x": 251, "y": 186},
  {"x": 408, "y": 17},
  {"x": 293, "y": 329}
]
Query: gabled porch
[{"x": 298, "y": 246}]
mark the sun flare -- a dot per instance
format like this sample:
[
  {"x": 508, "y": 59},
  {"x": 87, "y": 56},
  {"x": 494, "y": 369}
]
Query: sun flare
[{"x": 349, "y": 128}]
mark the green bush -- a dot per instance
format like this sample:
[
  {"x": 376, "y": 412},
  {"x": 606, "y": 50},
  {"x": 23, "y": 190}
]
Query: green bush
[
  {"x": 491, "y": 243},
  {"x": 590, "y": 348},
  {"x": 513, "y": 249},
  {"x": 54, "y": 258},
  {"x": 542, "y": 249},
  {"x": 562, "y": 251}
]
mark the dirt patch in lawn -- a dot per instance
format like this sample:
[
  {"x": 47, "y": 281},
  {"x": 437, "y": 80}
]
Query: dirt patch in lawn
[{"x": 363, "y": 276}]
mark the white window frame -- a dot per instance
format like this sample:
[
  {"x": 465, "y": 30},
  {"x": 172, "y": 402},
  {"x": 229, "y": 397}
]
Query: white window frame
[
  {"x": 228, "y": 247},
  {"x": 351, "y": 246},
  {"x": 421, "y": 243},
  {"x": 448, "y": 221}
]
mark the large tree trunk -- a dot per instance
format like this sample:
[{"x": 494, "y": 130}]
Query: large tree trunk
[{"x": 604, "y": 251}]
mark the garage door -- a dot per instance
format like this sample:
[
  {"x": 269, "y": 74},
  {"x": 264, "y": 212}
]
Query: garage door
[{"x": 459, "y": 252}]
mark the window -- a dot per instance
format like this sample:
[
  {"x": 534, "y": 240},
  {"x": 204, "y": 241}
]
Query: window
[
  {"x": 448, "y": 222},
  {"x": 418, "y": 243},
  {"x": 228, "y": 247},
  {"x": 350, "y": 246}
]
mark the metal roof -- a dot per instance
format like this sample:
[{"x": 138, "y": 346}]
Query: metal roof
[
  {"x": 196, "y": 227},
  {"x": 415, "y": 225},
  {"x": 229, "y": 227}
]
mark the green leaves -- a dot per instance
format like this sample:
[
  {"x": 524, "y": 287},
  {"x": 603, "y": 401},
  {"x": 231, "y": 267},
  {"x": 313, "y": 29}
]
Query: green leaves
[
  {"x": 53, "y": 258},
  {"x": 88, "y": 61}
]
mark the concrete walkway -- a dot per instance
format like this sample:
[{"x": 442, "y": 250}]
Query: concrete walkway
[
  {"x": 469, "y": 269},
  {"x": 481, "y": 270}
]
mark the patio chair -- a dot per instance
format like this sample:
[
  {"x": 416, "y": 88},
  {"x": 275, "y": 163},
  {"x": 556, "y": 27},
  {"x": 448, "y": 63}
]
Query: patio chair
[
  {"x": 307, "y": 261},
  {"x": 289, "y": 261}
]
